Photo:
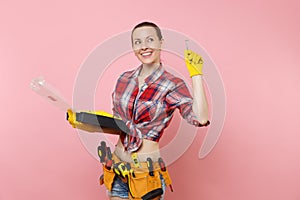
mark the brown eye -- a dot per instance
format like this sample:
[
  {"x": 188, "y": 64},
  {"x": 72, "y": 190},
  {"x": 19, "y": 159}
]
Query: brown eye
[
  {"x": 150, "y": 40},
  {"x": 137, "y": 42}
]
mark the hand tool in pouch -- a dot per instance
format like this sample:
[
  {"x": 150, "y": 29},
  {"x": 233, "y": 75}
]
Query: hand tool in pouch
[
  {"x": 150, "y": 166},
  {"x": 102, "y": 151},
  {"x": 163, "y": 168}
]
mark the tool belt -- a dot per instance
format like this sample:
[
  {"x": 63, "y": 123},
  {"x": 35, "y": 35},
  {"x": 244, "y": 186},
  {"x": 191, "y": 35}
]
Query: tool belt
[{"x": 143, "y": 183}]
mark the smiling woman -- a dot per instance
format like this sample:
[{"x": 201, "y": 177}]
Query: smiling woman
[{"x": 145, "y": 99}]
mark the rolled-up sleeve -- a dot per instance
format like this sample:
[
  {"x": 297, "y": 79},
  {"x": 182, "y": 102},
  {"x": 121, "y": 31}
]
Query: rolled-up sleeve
[{"x": 180, "y": 97}]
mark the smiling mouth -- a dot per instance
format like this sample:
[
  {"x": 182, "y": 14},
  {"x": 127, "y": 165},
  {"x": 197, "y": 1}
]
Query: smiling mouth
[{"x": 146, "y": 54}]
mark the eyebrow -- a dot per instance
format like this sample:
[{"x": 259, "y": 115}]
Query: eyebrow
[
  {"x": 140, "y": 39},
  {"x": 149, "y": 36}
]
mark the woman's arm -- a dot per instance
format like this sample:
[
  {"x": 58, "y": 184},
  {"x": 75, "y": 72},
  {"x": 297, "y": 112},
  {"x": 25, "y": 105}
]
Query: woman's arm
[
  {"x": 194, "y": 64},
  {"x": 200, "y": 106}
]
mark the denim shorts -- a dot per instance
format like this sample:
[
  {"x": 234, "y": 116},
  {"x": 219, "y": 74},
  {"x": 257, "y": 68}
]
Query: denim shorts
[{"x": 120, "y": 189}]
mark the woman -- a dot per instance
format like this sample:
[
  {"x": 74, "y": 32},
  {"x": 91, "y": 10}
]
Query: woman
[{"x": 145, "y": 99}]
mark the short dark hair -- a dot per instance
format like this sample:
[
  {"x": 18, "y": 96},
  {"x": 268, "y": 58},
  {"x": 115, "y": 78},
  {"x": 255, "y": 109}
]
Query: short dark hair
[{"x": 151, "y": 24}]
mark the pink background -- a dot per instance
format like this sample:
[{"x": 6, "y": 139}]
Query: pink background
[{"x": 255, "y": 45}]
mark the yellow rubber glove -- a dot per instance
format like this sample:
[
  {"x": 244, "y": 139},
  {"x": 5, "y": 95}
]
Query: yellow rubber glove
[{"x": 193, "y": 62}]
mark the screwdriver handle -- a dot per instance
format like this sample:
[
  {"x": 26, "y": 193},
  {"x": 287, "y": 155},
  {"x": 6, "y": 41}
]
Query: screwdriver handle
[
  {"x": 101, "y": 154},
  {"x": 150, "y": 166},
  {"x": 162, "y": 164},
  {"x": 108, "y": 160}
]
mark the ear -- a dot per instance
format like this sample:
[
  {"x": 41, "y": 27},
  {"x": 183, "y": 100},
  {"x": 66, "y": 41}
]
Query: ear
[{"x": 161, "y": 43}]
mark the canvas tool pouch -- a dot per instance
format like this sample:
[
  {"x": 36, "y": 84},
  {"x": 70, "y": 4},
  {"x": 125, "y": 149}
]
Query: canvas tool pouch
[
  {"x": 142, "y": 186},
  {"x": 108, "y": 177}
]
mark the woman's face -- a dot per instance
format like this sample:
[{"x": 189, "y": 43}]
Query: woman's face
[{"x": 146, "y": 45}]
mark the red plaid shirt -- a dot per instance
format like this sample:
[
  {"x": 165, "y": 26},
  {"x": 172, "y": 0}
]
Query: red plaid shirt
[{"x": 148, "y": 110}]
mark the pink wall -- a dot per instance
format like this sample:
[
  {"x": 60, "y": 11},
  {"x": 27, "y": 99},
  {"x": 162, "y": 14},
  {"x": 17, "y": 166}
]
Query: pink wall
[{"x": 255, "y": 45}]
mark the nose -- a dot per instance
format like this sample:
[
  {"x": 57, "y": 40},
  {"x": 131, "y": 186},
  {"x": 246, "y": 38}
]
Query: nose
[{"x": 143, "y": 45}]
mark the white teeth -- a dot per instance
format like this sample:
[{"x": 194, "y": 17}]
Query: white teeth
[{"x": 146, "y": 54}]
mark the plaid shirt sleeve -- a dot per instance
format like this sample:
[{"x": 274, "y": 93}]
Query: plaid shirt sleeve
[{"x": 181, "y": 98}]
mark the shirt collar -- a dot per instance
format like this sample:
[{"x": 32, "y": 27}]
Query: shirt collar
[
  {"x": 152, "y": 77},
  {"x": 135, "y": 73}
]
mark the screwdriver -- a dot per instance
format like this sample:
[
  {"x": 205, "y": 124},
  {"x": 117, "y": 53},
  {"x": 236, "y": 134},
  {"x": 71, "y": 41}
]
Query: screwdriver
[
  {"x": 163, "y": 168},
  {"x": 150, "y": 166},
  {"x": 109, "y": 161},
  {"x": 186, "y": 44},
  {"x": 162, "y": 165}
]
